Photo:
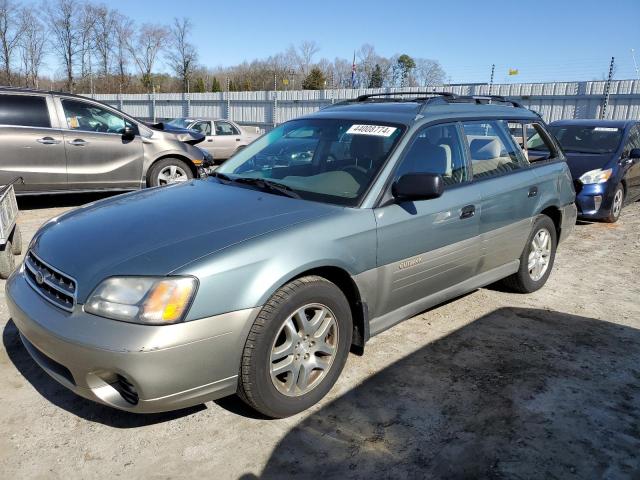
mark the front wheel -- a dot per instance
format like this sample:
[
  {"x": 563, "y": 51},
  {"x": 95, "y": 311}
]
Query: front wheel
[
  {"x": 296, "y": 348},
  {"x": 167, "y": 171},
  {"x": 537, "y": 258},
  {"x": 616, "y": 205}
]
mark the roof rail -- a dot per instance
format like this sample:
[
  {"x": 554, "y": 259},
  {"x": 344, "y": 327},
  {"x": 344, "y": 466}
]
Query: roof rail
[
  {"x": 487, "y": 99},
  {"x": 364, "y": 98}
]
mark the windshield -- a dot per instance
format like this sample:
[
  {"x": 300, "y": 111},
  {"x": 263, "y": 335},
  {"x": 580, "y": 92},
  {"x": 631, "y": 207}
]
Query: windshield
[
  {"x": 180, "y": 122},
  {"x": 331, "y": 161},
  {"x": 584, "y": 139}
]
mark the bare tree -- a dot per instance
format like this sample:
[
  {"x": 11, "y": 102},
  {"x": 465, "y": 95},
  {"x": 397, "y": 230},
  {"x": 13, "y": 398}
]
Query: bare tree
[
  {"x": 104, "y": 34},
  {"x": 182, "y": 56},
  {"x": 10, "y": 33},
  {"x": 428, "y": 73},
  {"x": 32, "y": 46},
  {"x": 144, "y": 49},
  {"x": 124, "y": 30},
  {"x": 306, "y": 51},
  {"x": 63, "y": 19},
  {"x": 86, "y": 24}
]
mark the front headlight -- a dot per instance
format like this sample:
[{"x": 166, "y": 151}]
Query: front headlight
[
  {"x": 146, "y": 300},
  {"x": 596, "y": 176}
]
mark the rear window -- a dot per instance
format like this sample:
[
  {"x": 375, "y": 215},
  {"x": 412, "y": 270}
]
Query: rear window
[{"x": 24, "y": 111}]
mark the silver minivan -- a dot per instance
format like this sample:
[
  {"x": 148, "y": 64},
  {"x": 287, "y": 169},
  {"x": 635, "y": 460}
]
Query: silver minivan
[{"x": 60, "y": 142}]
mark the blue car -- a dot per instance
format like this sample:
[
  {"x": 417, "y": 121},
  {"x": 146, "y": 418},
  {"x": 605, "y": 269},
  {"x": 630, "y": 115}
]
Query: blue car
[{"x": 604, "y": 159}]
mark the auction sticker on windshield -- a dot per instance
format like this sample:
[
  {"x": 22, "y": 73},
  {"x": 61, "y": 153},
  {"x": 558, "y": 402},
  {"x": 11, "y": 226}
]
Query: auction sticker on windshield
[{"x": 376, "y": 130}]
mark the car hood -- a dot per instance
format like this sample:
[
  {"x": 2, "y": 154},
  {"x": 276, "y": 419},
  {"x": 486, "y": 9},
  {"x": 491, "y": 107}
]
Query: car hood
[
  {"x": 580, "y": 163},
  {"x": 156, "y": 231}
]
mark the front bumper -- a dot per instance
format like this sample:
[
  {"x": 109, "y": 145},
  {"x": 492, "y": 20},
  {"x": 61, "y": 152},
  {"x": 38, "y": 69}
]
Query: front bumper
[
  {"x": 138, "y": 368},
  {"x": 594, "y": 201}
]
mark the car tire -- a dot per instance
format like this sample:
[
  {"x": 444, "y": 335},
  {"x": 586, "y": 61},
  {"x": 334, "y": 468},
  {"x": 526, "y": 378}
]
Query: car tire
[
  {"x": 616, "y": 205},
  {"x": 280, "y": 373},
  {"x": 7, "y": 260},
  {"x": 167, "y": 171},
  {"x": 16, "y": 240},
  {"x": 536, "y": 261}
]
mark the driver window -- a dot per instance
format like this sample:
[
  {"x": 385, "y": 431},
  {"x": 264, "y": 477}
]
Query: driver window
[
  {"x": 203, "y": 127},
  {"x": 87, "y": 117},
  {"x": 437, "y": 149}
]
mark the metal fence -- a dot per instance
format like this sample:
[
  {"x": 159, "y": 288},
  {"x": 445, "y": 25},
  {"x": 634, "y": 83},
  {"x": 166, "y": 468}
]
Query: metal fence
[{"x": 265, "y": 109}]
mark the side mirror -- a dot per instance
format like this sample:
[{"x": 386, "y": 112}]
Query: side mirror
[
  {"x": 634, "y": 154},
  {"x": 128, "y": 133},
  {"x": 418, "y": 186}
]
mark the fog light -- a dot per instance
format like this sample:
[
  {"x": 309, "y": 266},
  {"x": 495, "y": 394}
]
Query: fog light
[{"x": 597, "y": 201}]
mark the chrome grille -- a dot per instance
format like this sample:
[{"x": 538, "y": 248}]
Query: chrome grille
[{"x": 52, "y": 284}]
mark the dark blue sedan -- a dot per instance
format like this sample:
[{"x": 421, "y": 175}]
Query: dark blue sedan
[{"x": 604, "y": 158}]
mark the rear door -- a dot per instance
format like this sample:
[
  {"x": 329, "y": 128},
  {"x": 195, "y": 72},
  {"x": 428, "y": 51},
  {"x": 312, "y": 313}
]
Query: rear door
[
  {"x": 227, "y": 139},
  {"x": 31, "y": 144},
  {"x": 509, "y": 191},
  {"x": 97, "y": 154},
  {"x": 427, "y": 246}
]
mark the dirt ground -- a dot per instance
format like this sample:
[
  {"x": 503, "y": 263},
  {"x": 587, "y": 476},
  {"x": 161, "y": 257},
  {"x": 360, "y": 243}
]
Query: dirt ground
[{"x": 492, "y": 385}]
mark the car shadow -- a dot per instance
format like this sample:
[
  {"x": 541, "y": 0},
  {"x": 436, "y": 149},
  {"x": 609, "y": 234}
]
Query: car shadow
[
  {"x": 38, "y": 202},
  {"x": 69, "y": 401},
  {"x": 519, "y": 393}
]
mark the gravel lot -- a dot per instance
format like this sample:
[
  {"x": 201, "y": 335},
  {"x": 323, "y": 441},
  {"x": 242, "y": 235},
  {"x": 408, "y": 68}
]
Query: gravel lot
[{"x": 491, "y": 385}]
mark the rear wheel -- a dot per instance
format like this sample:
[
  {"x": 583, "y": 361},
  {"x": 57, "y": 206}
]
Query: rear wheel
[
  {"x": 7, "y": 260},
  {"x": 616, "y": 205},
  {"x": 169, "y": 170},
  {"x": 537, "y": 258},
  {"x": 296, "y": 348}
]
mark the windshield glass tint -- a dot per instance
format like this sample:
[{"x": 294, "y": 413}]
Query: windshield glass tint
[
  {"x": 584, "y": 139},
  {"x": 179, "y": 122},
  {"x": 331, "y": 161}
]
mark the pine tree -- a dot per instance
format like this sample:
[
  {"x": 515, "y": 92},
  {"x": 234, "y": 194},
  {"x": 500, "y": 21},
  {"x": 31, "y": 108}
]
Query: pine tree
[
  {"x": 215, "y": 85},
  {"x": 377, "y": 78},
  {"x": 199, "y": 87},
  {"x": 315, "y": 80}
]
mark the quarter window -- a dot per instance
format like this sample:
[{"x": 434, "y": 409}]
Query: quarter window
[
  {"x": 87, "y": 117},
  {"x": 493, "y": 151},
  {"x": 225, "y": 128},
  {"x": 24, "y": 111},
  {"x": 437, "y": 149}
]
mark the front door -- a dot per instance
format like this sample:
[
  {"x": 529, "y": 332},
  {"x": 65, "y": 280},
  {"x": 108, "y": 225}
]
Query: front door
[
  {"x": 510, "y": 191},
  {"x": 97, "y": 154},
  {"x": 427, "y": 246},
  {"x": 30, "y": 147},
  {"x": 633, "y": 173},
  {"x": 205, "y": 128}
]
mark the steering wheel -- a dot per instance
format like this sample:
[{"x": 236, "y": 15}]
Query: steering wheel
[{"x": 359, "y": 174}]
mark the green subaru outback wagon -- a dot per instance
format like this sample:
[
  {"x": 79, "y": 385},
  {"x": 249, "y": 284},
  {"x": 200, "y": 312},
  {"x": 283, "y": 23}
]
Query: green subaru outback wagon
[{"x": 327, "y": 230}]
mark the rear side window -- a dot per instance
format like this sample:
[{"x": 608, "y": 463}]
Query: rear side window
[
  {"x": 493, "y": 150},
  {"x": 24, "y": 111},
  {"x": 224, "y": 128}
]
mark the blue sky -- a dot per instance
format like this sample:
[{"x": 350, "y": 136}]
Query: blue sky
[{"x": 546, "y": 40}]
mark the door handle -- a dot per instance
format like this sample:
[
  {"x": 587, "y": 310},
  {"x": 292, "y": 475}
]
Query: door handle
[
  {"x": 533, "y": 192},
  {"x": 48, "y": 141},
  {"x": 237, "y": 139},
  {"x": 210, "y": 140},
  {"x": 78, "y": 142},
  {"x": 468, "y": 211}
]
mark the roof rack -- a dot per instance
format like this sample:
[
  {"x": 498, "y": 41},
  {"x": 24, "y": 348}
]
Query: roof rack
[
  {"x": 486, "y": 99},
  {"x": 364, "y": 98}
]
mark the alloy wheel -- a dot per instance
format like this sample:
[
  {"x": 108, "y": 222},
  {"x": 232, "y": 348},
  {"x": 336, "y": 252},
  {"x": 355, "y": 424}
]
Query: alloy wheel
[
  {"x": 617, "y": 203},
  {"x": 304, "y": 349},
  {"x": 539, "y": 254},
  {"x": 172, "y": 174}
]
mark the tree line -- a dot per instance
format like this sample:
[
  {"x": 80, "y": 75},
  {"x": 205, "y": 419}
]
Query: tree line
[{"x": 97, "y": 49}]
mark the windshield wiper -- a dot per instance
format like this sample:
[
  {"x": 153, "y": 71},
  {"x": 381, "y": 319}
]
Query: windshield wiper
[
  {"x": 222, "y": 176},
  {"x": 267, "y": 185}
]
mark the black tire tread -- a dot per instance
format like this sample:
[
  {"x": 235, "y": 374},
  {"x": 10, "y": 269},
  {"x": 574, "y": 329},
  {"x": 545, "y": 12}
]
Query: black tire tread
[{"x": 265, "y": 316}]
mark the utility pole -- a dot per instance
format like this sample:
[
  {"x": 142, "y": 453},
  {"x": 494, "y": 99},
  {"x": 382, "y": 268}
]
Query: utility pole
[
  {"x": 493, "y": 71},
  {"x": 275, "y": 99},
  {"x": 228, "y": 98},
  {"x": 635, "y": 64},
  {"x": 607, "y": 90}
]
